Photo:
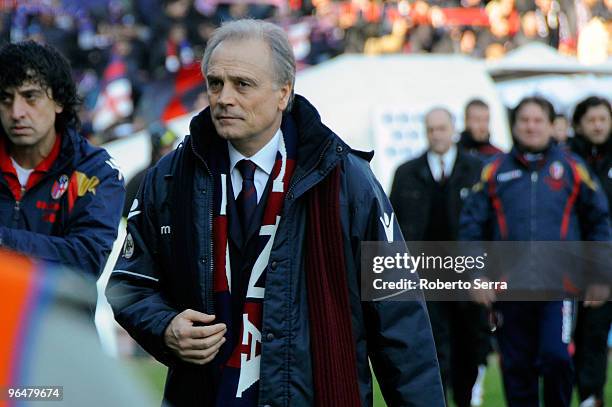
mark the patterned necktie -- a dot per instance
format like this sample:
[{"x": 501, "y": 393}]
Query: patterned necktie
[
  {"x": 247, "y": 198},
  {"x": 442, "y": 173}
]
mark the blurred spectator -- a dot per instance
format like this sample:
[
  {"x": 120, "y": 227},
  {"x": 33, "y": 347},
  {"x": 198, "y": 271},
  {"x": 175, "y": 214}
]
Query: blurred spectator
[
  {"x": 553, "y": 25},
  {"x": 174, "y": 52},
  {"x": 560, "y": 129},
  {"x": 162, "y": 36},
  {"x": 475, "y": 139},
  {"x": 529, "y": 30},
  {"x": 592, "y": 123},
  {"x": 388, "y": 44},
  {"x": 498, "y": 39},
  {"x": 427, "y": 196},
  {"x": 594, "y": 42},
  {"x": 467, "y": 43}
]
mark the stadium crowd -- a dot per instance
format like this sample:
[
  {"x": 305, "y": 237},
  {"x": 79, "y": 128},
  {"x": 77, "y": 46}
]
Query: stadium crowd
[{"x": 154, "y": 44}]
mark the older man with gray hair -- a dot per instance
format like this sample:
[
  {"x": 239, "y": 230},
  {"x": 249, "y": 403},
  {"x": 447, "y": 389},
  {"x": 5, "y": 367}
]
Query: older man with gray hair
[{"x": 241, "y": 267}]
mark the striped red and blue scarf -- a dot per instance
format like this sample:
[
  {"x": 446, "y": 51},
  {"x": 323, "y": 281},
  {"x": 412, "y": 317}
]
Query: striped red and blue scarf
[
  {"x": 240, "y": 357},
  {"x": 235, "y": 372}
]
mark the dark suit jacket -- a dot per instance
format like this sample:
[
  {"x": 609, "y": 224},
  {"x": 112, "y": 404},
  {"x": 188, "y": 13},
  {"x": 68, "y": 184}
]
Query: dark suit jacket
[{"x": 412, "y": 190}]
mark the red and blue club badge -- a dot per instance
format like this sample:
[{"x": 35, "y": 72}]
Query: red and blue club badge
[
  {"x": 556, "y": 170},
  {"x": 59, "y": 187}
]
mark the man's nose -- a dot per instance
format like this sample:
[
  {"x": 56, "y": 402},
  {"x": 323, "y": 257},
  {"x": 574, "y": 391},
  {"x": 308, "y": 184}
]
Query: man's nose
[
  {"x": 18, "y": 108},
  {"x": 227, "y": 96}
]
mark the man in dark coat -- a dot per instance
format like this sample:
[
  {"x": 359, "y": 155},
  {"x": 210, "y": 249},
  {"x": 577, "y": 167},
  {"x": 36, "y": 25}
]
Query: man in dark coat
[
  {"x": 427, "y": 195},
  {"x": 475, "y": 139},
  {"x": 241, "y": 268},
  {"x": 592, "y": 124}
]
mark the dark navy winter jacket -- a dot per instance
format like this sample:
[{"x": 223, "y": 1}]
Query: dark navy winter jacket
[
  {"x": 147, "y": 291},
  {"x": 70, "y": 213},
  {"x": 552, "y": 198}
]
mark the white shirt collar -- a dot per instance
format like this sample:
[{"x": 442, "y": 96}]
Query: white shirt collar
[
  {"x": 264, "y": 158},
  {"x": 433, "y": 159}
]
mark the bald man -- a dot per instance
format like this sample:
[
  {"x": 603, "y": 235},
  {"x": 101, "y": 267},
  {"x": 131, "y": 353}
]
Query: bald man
[{"x": 427, "y": 196}]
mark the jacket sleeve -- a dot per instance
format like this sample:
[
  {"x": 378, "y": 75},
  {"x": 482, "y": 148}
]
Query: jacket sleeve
[
  {"x": 133, "y": 289},
  {"x": 475, "y": 223},
  {"x": 593, "y": 207},
  {"x": 91, "y": 226},
  {"x": 400, "y": 341}
]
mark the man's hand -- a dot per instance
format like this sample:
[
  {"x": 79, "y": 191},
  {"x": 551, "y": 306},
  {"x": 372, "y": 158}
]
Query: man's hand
[
  {"x": 194, "y": 344},
  {"x": 483, "y": 296},
  {"x": 596, "y": 295}
]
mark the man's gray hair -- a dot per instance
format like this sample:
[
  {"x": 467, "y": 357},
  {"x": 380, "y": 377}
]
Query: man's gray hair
[{"x": 283, "y": 60}]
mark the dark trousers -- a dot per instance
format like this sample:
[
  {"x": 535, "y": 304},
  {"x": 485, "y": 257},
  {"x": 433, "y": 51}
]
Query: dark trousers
[
  {"x": 533, "y": 341},
  {"x": 591, "y": 357},
  {"x": 462, "y": 341}
]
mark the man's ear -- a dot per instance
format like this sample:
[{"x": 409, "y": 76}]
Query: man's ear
[
  {"x": 58, "y": 108},
  {"x": 285, "y": 92}
]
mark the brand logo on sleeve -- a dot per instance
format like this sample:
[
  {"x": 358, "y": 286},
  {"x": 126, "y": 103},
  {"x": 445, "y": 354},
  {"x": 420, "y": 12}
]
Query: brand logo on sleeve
[
  {"x": 387, "y": 222},
  {"x": 128, "y": 247}
]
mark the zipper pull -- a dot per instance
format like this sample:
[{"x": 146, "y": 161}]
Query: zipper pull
[
  {"x": 16, "y": 211},
  {"x": 534, "y": 177},
  {"x": 18, "y": 205}
]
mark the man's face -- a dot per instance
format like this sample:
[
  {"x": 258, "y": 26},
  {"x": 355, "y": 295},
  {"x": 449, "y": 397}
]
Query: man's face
[
  {"x": 560, "y": 127},
  {"x": 246, "y": 104},
  {"x": 477, "y": 122},
  {"x": 533, "y": 128},
  {"x": 28, "y": 114},
  {"x": 439, "y": 127},
  {"x": 596, "y": 124}
]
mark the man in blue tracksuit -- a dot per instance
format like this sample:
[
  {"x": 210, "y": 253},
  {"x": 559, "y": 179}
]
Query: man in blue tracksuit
[
  {"x": 60, "y": 197},
  {"x": 537, "y": 192}
]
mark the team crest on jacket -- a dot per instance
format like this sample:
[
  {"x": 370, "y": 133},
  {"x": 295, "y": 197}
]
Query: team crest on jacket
[
  {"x": 556, "y": 170},
  {"x": 59, "y": 187}
]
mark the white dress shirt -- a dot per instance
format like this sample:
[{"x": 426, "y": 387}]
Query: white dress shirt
[
  {"x": 264, "y": 159},
  {"x": 433, "y": 159}
]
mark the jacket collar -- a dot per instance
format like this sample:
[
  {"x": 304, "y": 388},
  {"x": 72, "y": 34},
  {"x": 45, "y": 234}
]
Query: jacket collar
[
  {"x": 532, "y": 160},
  {"x": 459, "y": 166},
  {"x": 318, "y": 146},
  {"x": 467, "y": 141},
  {"x": 63, "y": 152},
  {"x": 587, "y": 150}
]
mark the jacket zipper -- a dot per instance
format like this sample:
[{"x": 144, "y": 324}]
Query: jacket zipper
[
  {"x": 311, "y": 169},
  {"x": 209, "y": 292},
  {"x": 17, "y": 207},
  {"x": 534, "y": 180}
]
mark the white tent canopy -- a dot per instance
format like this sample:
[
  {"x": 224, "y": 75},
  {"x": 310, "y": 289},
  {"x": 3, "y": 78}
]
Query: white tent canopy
[
  {"x": 536, "y": 58},
  {"x": 537, "y": 69},
  {"x": 378, "y": 103}
]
